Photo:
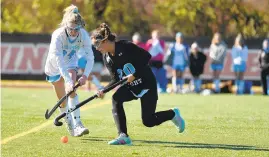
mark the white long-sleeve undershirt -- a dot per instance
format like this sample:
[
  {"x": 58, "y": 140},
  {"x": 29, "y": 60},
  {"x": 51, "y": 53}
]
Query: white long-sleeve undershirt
[{"x": 63, "y": 54}]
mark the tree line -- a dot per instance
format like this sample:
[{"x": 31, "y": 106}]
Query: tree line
[{"x": 191, "y": 17}]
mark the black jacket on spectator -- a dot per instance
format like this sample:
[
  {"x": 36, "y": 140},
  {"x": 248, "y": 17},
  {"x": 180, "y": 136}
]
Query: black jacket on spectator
[
  {"x": 264, "y": 59},
  {"x": 264, "y": 64},
  {"x": 197, "y": 63}
]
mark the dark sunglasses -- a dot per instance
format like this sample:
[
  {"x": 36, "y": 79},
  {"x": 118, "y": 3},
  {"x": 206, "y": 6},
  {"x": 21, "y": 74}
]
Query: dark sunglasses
[{"x": 98, "y": 40}]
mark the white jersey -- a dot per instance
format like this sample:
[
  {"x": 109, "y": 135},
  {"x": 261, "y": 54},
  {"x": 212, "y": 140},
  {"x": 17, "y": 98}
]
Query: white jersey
[{"x": 63, "y": 53}]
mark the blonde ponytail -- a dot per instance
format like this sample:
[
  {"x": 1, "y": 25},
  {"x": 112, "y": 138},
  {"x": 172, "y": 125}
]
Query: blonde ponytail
[{"x": 72, "y": 15}]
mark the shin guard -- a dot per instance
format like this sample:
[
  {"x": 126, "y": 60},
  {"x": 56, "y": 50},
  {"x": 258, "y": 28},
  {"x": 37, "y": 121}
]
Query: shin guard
[{"x": 75, "y": 115}]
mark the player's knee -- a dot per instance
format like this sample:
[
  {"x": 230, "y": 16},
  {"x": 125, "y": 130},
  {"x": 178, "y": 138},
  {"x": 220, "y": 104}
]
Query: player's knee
[
  {"x": 148, "y": 122},
  {"x": 114, "y": 101},
  {"x": 115, "y": 98}
]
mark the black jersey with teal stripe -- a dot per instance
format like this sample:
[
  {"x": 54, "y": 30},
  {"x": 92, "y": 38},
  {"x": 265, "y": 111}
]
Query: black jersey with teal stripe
[{"x": 131, "y": 59}]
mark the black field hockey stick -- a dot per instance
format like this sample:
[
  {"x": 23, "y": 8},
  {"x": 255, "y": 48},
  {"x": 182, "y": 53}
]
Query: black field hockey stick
[
  {"x": 49, "y": 113},
  {"x": 57, "y": 119}
]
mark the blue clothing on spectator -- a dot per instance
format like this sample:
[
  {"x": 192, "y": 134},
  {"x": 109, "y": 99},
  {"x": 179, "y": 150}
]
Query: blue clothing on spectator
[
  {"x": 239, "y": 57},
  {"x": 178, "y": 56}
]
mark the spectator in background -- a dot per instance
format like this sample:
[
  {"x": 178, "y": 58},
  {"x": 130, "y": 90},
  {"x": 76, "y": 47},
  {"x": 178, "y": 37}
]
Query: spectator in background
[
  {"x": 156, "y": 48},
  {"x": 177, "y": 58},
  {"x": 197, "y": 62},
  {"x": 217, "y": 53},
  {"x": 239, "y": 57},
  {"x": 264, "y": 64},
  {"x": 95, "y": 76},
  {"x": 137, "y": 40}
]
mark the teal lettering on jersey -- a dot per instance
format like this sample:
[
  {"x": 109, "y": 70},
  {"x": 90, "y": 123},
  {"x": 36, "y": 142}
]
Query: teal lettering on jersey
[
  {"x": 70, "y": 55},
  {"x": 128, "y": 69}
]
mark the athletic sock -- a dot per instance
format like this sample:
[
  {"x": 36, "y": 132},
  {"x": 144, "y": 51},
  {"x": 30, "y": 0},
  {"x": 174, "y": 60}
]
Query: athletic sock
[
  {"x": 174, "y": 83},
  {"x": 63, "y": 109},
  {"x": 217, "y": 85},
  {"x": 67, "y": 118},
  {"x": 120, "y": 121},
  {"x": 180, "y": 82},
  {"x": 197, "y": 85},
  {"x": 236, "y": 83},
  {"x": 241, "y": 87},
  {"x": 163, "y": 116},
  {"x": 75, "y": 115}
]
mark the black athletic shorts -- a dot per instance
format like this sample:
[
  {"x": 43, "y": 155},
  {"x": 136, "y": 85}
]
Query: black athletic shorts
[{"x": 123, "y": 94}]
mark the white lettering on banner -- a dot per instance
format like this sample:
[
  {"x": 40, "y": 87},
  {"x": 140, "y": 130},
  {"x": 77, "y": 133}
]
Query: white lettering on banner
[{"x": 22, "y": 58}]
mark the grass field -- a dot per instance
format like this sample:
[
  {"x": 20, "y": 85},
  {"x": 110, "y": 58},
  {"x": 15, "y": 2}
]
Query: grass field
[{"x": 217, "y": 125}]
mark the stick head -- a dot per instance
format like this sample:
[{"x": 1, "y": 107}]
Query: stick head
[
  {"x": 57, "y": 119},
  {"x": 47, "y": 114},
  {"x": 58, "y": 123}
]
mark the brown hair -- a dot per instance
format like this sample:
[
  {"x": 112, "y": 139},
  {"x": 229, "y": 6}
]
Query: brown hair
[
  {"x": 103, "y": 32},
  {"x": 214, "y": 37},
  {"x": 240, "y": 39}
]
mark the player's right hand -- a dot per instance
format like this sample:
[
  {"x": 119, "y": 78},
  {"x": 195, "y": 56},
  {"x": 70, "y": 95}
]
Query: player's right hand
[
  {"x": 100, "y": 94},
  {"x": 69, "y": 87}
]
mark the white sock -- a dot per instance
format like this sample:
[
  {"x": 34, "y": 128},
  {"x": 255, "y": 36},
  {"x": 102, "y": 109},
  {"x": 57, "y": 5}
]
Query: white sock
[
  {"x": 75, "y": 115},
  {"x": 63, "y": 109},
  {"x": 68, "y": 116},
  {"x": 174, "y": 83}
]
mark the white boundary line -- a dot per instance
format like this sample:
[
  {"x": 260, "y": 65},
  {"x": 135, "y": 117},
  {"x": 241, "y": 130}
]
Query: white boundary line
[{"x": 43, "y": 125}]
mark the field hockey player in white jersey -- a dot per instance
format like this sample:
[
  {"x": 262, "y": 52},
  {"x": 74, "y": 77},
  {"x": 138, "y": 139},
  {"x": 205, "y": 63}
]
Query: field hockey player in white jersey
[{"x": 62, "y": 62}]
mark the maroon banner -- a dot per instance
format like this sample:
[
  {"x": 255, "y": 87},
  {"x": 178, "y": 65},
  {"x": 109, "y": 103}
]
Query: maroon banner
[{"x": 22, "y": 58}]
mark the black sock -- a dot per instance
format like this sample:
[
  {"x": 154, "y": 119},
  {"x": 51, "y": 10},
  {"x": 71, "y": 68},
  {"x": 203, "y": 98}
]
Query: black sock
[
  {"x": 119, "y": 117},
  {"x": 163, "y": 116},
  {"x": 158, "y": 118}
]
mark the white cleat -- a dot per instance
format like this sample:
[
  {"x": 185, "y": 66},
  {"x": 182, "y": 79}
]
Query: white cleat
[{"x": 80, "y": 130}]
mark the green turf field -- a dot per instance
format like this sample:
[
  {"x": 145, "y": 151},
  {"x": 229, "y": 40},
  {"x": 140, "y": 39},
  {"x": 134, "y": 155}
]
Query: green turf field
[{"x": 220, "y": 125}]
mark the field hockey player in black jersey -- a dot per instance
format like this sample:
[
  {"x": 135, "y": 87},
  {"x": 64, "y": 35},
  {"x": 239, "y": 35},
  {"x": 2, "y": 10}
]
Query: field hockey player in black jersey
[{"x": 125, "y": 59}]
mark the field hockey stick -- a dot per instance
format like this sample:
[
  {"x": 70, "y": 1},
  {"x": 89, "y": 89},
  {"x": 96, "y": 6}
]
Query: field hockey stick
[
  {"x": 57, "y": 119},
  {"x": 49, "y": 113}
]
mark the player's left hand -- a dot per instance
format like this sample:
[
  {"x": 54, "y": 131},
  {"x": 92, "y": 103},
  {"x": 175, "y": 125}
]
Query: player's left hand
[
  {"x": 82, "y": 80},
  {"x": 130, "y": 78}
]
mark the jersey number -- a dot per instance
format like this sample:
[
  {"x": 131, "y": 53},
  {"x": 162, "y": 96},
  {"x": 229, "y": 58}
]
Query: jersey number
[
  {"x": 70, "y": 55},
  {"x": 127, "y": 70}
]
